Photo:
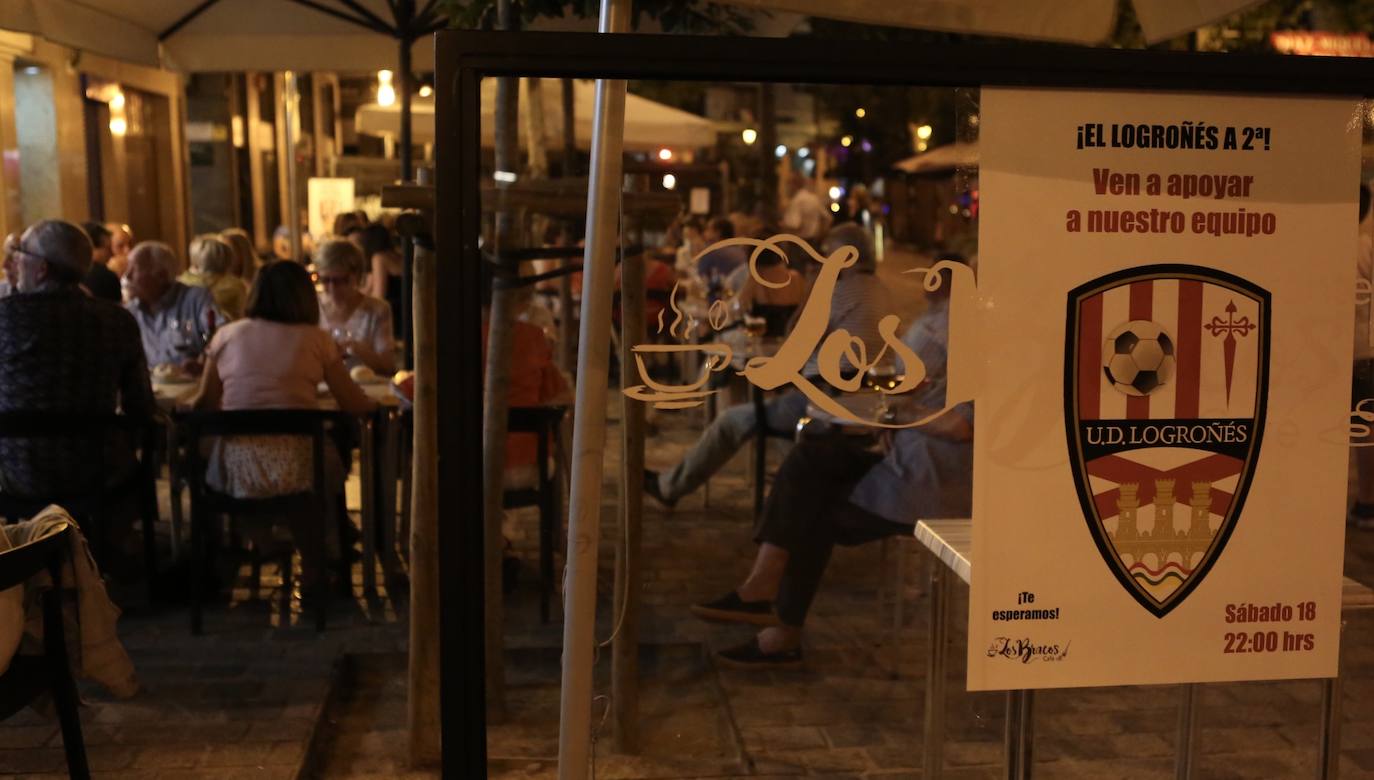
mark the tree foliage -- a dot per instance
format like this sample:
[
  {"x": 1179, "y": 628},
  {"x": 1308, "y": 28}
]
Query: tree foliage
[{"x": 677, "y": 16}]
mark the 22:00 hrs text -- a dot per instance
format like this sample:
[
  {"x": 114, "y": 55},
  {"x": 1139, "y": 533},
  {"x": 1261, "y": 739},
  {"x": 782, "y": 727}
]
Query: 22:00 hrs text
[{"x": 1268, "y": 641}]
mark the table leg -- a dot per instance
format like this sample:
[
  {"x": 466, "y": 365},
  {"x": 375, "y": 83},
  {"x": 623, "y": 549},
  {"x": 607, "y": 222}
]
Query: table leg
[
  {"x": 1186, "y": 751},
  {"x": 933, "y": 758},
  {"x": 1020, "y": 735},
  {"x": 173, "y": 490},
  {"x": 386, "y": 490},
  {"x": 367, "y": 478},
  {"x": 1329, "y": 750}
]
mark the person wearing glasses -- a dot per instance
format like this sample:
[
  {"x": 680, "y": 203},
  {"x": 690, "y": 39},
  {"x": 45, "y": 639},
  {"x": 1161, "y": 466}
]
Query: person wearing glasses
[
  {"x": 65, "y": 351},
  {"x": 360, "y": 324}
]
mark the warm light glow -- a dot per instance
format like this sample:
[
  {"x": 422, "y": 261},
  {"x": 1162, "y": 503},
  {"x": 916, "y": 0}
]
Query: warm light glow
[
  {"x": 507, "y": 177},
  {"x": 804, "y": 152},
  {"x": 781, "y": 151},
  {"x": 750, "y": 135},
  {"x": 118, "y": 126},
  {"x": 669, "y": 181},
  {"x": 921, "y": 146},
  {"x": 860, "y": 113},
  {"x": 835, "y": 207},
  {"x": 923, "y": 132},
  {"x": 665, "y": 154},
  {"x": 383, "y": 77},
  {"x": 386, "y": 95},
  {"x": 117, "y": 101},
  {"x": 426, "y": 91},
  {"x": 836, "y": 192},
  {"x": 847, "y": 140}
]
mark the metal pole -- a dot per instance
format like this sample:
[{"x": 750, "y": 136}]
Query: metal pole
[
  {"x": 290, "y": 99},
  {"x": 1329, "y": 749},
  {"x": 1185, "y": 752},
  {"x": 407, "y": 174},
  {"x": 589, "y": 434},
  {"x": 1020, "y": 734},
  {"x": 933, "y": 754},
  {"x": 423, "y": 683},
  {"x": 625, "y": 650}
]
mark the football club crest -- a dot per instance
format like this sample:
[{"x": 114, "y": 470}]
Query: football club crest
[{"x": 1165, "y": 380}]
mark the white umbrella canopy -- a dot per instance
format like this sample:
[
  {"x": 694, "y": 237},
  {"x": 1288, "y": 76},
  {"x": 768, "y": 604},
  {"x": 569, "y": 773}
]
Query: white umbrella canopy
[
  {"x": 649, "y": 125},
  {"x": 942, "y": 158},
  {"x": 229, "y": 35},
  {"x": 1065, "y": 21}
]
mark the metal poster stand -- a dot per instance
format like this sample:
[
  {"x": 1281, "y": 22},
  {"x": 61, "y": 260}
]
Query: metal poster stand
[{"x": 465, "y": 57}]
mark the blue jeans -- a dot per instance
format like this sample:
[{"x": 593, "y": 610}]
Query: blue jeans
[{"x": 723, "y": 438}]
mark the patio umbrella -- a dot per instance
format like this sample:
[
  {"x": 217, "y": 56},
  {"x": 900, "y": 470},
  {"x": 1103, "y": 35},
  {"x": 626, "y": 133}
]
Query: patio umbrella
[
  {"x": 1065, "y": 21},
  {"x": 942, "y": 158},
  {"x": 649, "y": 125}
]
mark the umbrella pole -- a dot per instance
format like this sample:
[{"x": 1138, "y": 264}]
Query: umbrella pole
[
  {"x": 407, "y": 173},
  {"x": 589, "y": 433},
  {"x": 290, "y": 98}
]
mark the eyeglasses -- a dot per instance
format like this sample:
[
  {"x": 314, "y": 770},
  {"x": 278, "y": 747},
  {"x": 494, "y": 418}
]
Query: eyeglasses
[{"x": 19, "y": 249}]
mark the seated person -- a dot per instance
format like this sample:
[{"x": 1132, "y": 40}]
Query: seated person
[
  {"x": 121, "y": 243},
  {"x": 858, "y": 302},
  {"x": 176, "y": 321},
  {"x": 100, "y": 280},
  {"x": 830, "y": 490},
  {"x": 359, "y": 323},
  {"x": 245, "y": 264},
  {"x": 716, "y": 265},
  {"x": 64, "y": 351},
  {"x": 274, "y": 358},
  {"x": 212, "y": 263}
]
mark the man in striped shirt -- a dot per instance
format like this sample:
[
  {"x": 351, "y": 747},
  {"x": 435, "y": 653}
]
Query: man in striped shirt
[{"x": 858, "y": 302}]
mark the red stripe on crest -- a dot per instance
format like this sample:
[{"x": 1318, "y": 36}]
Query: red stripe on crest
[
  {"x": 1142, "y": 308},
  {"x": 1188, "y": 348},
  {"x": 1090, "y": 358}
]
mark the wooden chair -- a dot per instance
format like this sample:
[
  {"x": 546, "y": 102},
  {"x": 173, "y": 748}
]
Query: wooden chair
[
  {"x": 207, "y": 504},
  {"x": 92, "y": 432},
  {"x": 543, "y": 421},
  {"x": 29, "y": 676}
]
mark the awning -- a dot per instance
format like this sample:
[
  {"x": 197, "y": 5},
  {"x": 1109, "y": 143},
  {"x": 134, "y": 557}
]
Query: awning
[{"x": 649, "y": 126}]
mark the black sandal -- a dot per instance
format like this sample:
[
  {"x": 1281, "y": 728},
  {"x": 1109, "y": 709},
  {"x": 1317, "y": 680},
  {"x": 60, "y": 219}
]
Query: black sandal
[{"x": 730, "y": 608}]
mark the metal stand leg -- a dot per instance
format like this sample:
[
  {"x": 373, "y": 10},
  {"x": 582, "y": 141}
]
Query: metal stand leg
[
  {"x": 1186, "y": 750},
  {"x": 1329, "y": 750},
  {"x": 1020, "y": 736},
  {"x": 933, "y": 758},
  {"x": 368, "y": 488}
]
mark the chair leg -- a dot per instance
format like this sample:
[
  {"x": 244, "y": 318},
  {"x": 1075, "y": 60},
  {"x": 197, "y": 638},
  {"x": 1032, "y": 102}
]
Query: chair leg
[
  {"x": 148, "y": 518},
  {"x": 196, "y": 566},
  {"x": 547, "y": 516},
  {"x": 64, "y": 696}
]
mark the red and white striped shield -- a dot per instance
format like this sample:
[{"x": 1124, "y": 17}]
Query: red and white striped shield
[{"x": 1164, "y": 392}]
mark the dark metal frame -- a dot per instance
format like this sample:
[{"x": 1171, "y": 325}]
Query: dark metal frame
[{"x": 463, "y": 58}]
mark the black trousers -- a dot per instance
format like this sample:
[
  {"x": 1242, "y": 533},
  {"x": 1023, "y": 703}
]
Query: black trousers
[{"x": 808, "y": 513}]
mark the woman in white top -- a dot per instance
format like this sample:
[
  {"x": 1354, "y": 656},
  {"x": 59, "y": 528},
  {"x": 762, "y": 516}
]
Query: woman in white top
[{"x": 359, "y": 323}]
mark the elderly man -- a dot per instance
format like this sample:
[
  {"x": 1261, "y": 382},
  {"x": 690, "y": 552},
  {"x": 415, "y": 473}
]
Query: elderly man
[
  {"x": 100, "y": 280},
  {"x": 64, "y": 351},
  {"x": 176, "y": 320},
  {"x": 858, "y": 302}
]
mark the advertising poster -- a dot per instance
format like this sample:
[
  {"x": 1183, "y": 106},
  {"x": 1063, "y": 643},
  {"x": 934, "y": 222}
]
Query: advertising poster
[
  {"x": 1166, "y": 292},
  {"x": 326, "y": 199}
]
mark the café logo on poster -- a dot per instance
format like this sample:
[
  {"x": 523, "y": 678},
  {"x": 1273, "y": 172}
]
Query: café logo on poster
[{"x": 1165, "y": 383}]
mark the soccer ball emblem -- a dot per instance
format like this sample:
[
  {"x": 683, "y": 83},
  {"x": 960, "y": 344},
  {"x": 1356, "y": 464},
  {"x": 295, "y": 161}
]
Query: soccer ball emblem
[{"x": 1138, "y": 357}]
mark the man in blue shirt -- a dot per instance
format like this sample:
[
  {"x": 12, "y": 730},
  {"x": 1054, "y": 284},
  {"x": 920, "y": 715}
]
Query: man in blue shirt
[{"x": 176, "y": 320}]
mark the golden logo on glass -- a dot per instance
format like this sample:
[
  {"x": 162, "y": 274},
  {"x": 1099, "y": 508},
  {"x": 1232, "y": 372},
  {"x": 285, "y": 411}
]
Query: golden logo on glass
[{"x": 807, "y": 338}]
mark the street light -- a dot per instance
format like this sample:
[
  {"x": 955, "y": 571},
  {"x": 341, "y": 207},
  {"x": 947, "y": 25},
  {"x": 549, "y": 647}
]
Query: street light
[
  {"x": 665, "y": 154},
  {"x": 860, "y": 113},
  {"x": 426, "y": 91},
  {"x": 923, "y": 132},
  {"x": 669, "y": 181},
  {"x": 804, "y": 152},
  {"x": 781, "y": 151},
  {"x": 846, "y": 141},
  {"x": 835, "y": 192},
  {"x": 750, "y": 135}
]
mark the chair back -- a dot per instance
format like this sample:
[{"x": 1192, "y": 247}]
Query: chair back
[
  {"x": 22, "y": 563},
  {"x": 93, "y": 430},
  {"x": 200, "y": 426}
]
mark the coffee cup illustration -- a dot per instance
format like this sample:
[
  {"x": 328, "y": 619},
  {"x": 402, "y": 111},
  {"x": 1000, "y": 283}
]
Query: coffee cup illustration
[{"x": 716, "y": 356}]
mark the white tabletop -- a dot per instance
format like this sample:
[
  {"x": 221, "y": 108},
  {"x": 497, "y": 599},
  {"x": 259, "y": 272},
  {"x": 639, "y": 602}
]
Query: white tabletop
[{"x": 951, "y": 541}]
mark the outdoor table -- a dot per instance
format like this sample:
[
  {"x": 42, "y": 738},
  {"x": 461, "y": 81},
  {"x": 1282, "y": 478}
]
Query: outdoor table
[
  {"x": 377, "y": 454},
  {"x": 951, "y": 543}
]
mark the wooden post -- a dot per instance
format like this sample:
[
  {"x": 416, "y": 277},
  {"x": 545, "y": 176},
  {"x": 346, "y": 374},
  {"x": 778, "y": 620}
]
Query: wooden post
[
  {"x": 625, "y": 649},
  {"x": 496, "y": 407},
  {"x": 567, "y": 335},
  {"x": 423, "y": 681},
  {"x": 589, "y": 434}
]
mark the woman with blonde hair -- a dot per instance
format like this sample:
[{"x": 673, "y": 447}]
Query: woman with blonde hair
[
  {"x": 246, "y": 258},
  {"x": 211, "y": 258},
  {"x": 360, "y": 324}
]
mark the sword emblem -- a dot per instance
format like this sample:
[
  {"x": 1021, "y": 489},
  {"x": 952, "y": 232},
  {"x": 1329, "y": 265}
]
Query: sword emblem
[{"x": 1231, "y": 327}]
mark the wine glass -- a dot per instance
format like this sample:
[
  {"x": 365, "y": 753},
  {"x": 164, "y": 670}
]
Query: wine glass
[{"x": 187, "y": 339}]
